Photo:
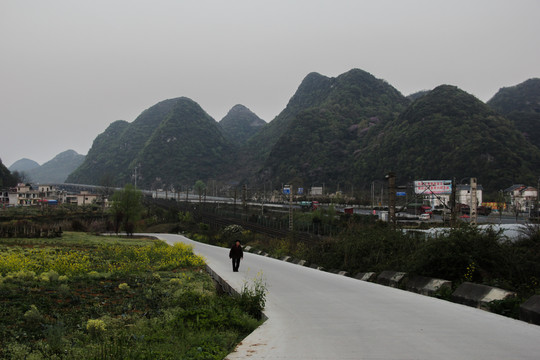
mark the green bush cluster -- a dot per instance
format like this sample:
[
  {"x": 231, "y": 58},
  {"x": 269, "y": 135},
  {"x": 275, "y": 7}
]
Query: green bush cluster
[
  {"x": 253, "y": 296},
  {"x": 464, "y": 254}
]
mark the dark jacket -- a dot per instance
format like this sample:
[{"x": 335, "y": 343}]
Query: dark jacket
[{"x": 236, "y": 252}]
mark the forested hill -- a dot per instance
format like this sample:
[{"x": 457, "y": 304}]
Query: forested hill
[
  {"x": 327, "y": 128},
  {"x": 344, "y": 132},
  {"x": 23, "y": 165},
  {"x": 311, "y": 92},
  {"x": 447, "y": 134},
  {"x": 240, "y": 124},
  {"x": 172, "y": 142},
  {"x": 57, "y": 169},
  {"x": 521, "y": 104},
  {"x": 188, "y": 145},
  {"x": 6, "y": 178},
  {"x": 107, "y": 158}
]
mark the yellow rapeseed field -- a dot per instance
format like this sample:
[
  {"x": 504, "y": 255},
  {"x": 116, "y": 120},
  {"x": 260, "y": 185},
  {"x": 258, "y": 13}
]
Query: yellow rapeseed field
[{"x": 105, "y": 258}]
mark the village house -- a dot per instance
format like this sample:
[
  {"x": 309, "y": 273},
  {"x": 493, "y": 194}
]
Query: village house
[
  {"x": 4, "y": 197},
  {"x": 28, "y": 195},
  {"x": 521, "y": 198},
  {"x": 463, "y": 194},
  {"x": 83, "y": 198}
]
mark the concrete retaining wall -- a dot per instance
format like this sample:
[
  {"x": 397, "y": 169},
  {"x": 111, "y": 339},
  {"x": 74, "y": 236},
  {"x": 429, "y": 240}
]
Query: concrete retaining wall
[
  {"x": 366, "y": 276},
  {"x": 529, "y": 311},
  {"x": 222, "y": 283},
  {"x": 391, "y": 278},
  {"x": 477, "y": 295},
  {"x": 425, "y": 285}
]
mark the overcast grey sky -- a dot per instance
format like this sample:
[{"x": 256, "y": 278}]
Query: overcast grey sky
[{"x": 69, "y": 68}]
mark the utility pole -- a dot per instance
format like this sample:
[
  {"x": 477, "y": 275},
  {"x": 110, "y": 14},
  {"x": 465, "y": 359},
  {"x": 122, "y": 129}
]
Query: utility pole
[
  {"x": 136, "y": 173},
  {"x": 392, "y": 198},
  {"x": 453, "y": 209},
  {"x": 234, "y": 206},
  {"x": 291, "y": 222},
  {"x": 373, "y": 197},
  {"x": 244, "y": 196},
  {"x": 474, "y": 204}
]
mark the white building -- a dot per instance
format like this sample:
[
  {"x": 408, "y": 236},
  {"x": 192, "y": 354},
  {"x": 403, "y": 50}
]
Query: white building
[
  {"x": 521, "y": 197},
  {"x": 26, "y": 195},
  {"x": 84, "y": 198},
  {"x": 463, "y": 196}
]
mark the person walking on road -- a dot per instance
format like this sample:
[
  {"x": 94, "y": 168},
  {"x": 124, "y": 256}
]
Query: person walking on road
[{"x": 236, "y": 254}]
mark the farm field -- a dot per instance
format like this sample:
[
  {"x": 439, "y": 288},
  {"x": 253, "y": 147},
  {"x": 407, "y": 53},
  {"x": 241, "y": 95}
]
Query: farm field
[{"x": 89, "y": 297}]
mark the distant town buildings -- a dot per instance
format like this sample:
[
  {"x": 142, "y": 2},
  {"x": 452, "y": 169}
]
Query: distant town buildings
[
  {"x": 28, "y": 195},
  {"x": 520, "y": 198}
]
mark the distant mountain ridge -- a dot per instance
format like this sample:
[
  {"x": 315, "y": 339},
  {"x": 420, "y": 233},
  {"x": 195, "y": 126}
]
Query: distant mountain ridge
[
  {"x": 54, "y": 171},
  {"x": 521, "y": 104},
  {"x": 23, "y": 164},
  {"x": 447, "y": 134},
  {"x": 240, "y": 124},
  {"x": 172, "y": 143},
  {"x": 328, "y": 125},
  {"x": 343, "y": 132}
]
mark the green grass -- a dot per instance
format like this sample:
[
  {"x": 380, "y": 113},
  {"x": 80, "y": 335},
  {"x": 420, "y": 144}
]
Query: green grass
[
  {"x": 74, "y": 239},
  {"x": 157, "y": 312}
]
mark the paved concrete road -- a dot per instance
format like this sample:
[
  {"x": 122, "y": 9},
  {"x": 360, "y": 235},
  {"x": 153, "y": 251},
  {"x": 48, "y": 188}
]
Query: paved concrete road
[{"x": 318, "y": 315}]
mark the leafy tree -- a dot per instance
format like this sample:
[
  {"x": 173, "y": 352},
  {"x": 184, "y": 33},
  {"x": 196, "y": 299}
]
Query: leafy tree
[
  {"x": 6, "y": 177},
  {"x": 127, "y": 208},
  {"x": 200, "y": 187},
  {"x": 21, "y": 176}
]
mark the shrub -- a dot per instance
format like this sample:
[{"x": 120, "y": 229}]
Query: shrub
[
  {"x": 232, "y": 233},
  {"x": 204, "y": 227},
  {"x": 33, "y": 316},
  {"x": 253, "y": 296},
  {"x": 507, "y": 307},
  {"x": 124, "y": 287},
  {"x": 96, "y": 327},
  {"x": 50, "y": 275},
  {"x": 64, "y": 290},
  {"x": 463, "y": 254},
  {"x": 24, "y": 275}
]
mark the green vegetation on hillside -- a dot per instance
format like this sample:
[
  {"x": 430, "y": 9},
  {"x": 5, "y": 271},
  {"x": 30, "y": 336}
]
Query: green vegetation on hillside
[
  {"x": 190, "y": 142},
  {"x": 172, "y": 143},
  {"x": 451, "y": 134},
  {"x": 344, "y": 132},
  {"x": 521, "y": 104},
  {"x": 106, "y": 157},
  {"x": 322, "y": 139},
  {"x": 6, "y": 178},
  {"x": 240, "y": 124}
]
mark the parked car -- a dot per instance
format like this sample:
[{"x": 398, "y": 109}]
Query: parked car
[{"x": 424, "y": 216}]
